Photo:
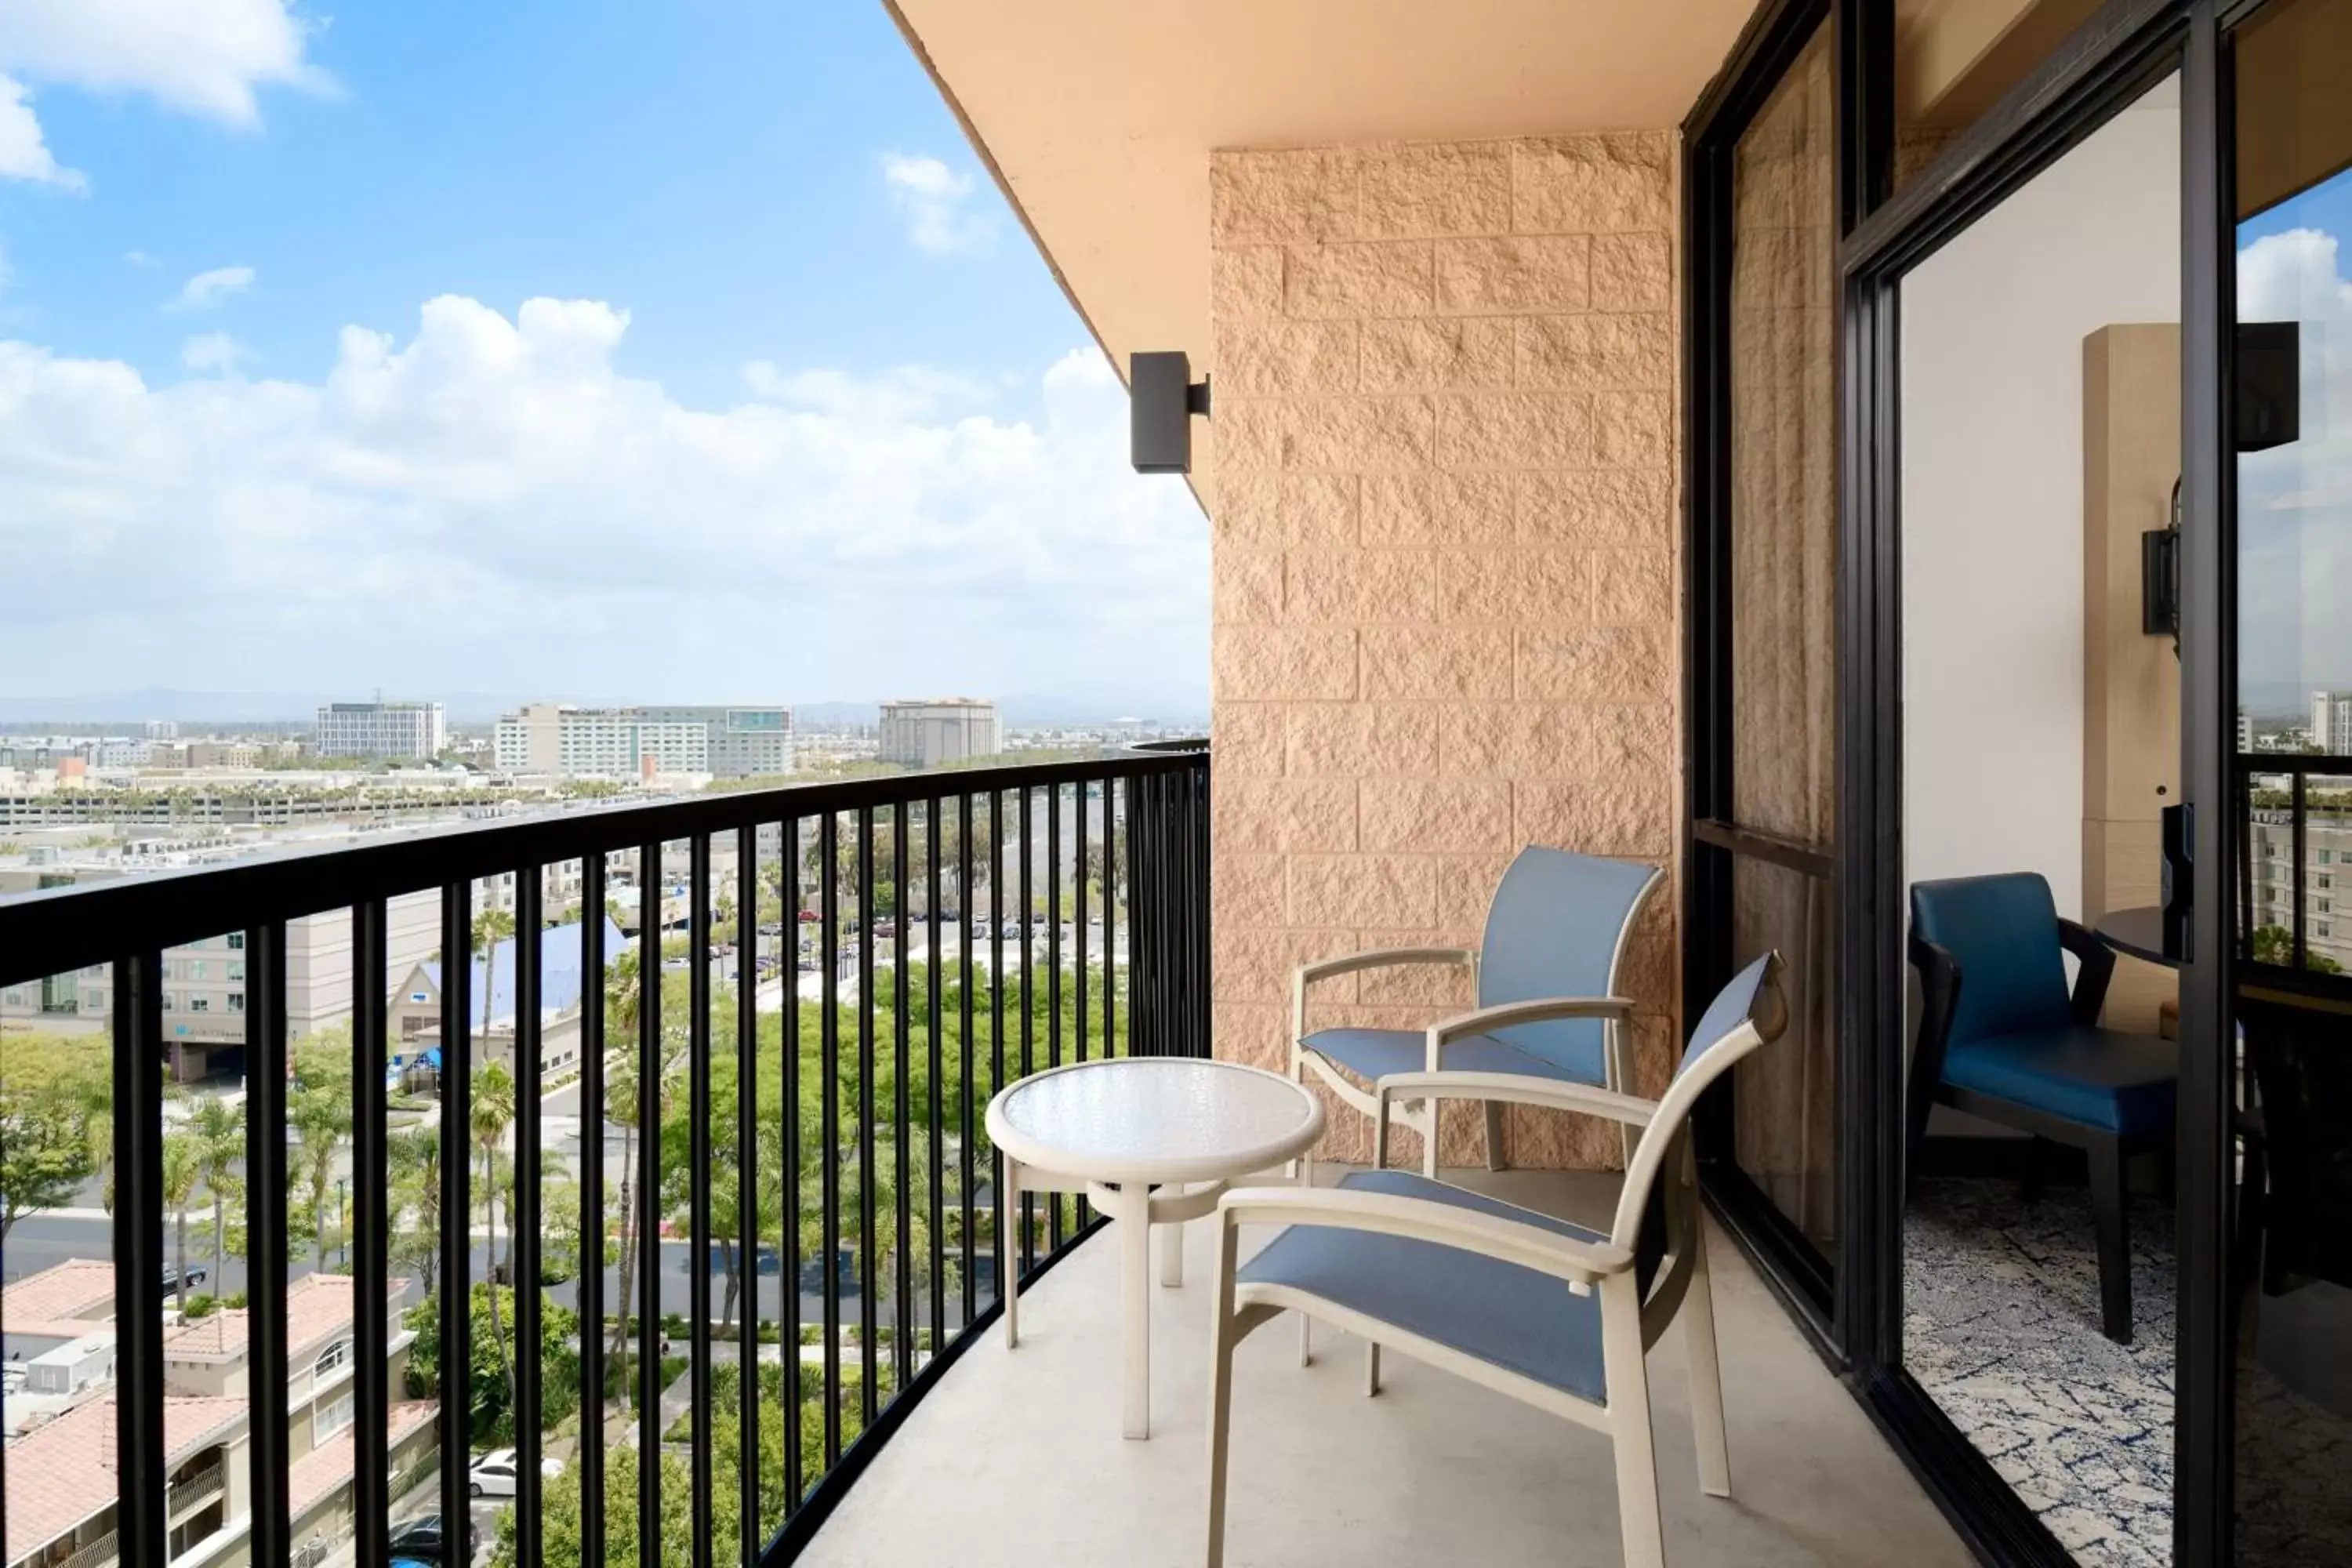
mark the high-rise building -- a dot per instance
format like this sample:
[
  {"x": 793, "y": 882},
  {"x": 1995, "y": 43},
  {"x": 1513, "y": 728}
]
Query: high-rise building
[
  {"x": 2331, "y": 722},
  {"x": 551, "y": 738},
  {"x": 414, "y": 730},
  {"x": 926, "y": 733}
]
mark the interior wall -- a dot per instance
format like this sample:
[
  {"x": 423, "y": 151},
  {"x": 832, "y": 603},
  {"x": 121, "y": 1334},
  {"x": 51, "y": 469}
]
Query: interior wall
[
  {"x": 1444, "y": 563},
  {"x": 1993, "y": 331}
]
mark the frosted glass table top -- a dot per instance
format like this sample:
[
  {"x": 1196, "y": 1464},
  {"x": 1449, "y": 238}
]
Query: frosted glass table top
[{"x": 1155, "y": 1117}]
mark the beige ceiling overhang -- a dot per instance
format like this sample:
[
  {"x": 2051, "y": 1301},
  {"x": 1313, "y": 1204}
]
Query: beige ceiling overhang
[{"x": 1097, "y": 117}]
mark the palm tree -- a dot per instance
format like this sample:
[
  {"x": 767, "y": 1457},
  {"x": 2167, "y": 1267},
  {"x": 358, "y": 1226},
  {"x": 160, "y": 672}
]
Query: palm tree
[
  {"x": 491, "y": 926},
  {"x": 218, "y": 1128},
  {"x": 413, "y": 1159},
  {"x": 182, "y": 1162},
  {"x": 320, "y": 1115},
  {"x": 493, "y": 1112}
]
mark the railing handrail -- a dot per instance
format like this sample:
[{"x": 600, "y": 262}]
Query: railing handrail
[{"x": 57, "y": 931}]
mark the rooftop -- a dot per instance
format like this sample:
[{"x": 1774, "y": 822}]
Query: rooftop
[
  {"x": 329, "y": 1466},
  {"x": 316, "y": 1307},
  {"x": 79, "y": 1287},
  {"x": 62, "y": 1473}
]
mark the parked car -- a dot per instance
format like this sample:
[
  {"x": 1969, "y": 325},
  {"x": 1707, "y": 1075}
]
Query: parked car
[
  {"x": 493, "y": 1474},
  {"x": 418, "y": 1541}
]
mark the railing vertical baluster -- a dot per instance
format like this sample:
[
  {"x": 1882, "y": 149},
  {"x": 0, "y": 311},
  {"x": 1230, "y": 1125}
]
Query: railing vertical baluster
[
  {"x": 1054, "y": 962},
  {"x": 1111, "y": 922},
  {"x": 371, "y": 1221},
  {"x": 939, "y": 1300},
  {"x": 1078, "y": 846},
  {"x": 788, "y": 1214},
  {"x": 523, "y": 1245},
  {"x": 868, "y": 1360},
  {"x": 648, "y": 1219},
  {"x": 963, "y": 1052},
  {"x": 902, "y": 1271},
  {"x": 1028, "y": 1012},
  {"x": 748, "y": 1532},
  {"x": 592, "y": 960},
  {"x": 270, "y": 1448},
  {"x": 138, "y": 1084},
  {"x": 453, "y": 1417},
  {"x": 999, "y": 1260},
  {"x": 699, "y": 1048},
  {"x": 2297, "y": 900},
  {"x": 829, "y": 1119}
]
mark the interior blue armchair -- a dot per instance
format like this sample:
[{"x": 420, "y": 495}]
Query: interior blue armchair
[{"x": 2000, "y": 1038}]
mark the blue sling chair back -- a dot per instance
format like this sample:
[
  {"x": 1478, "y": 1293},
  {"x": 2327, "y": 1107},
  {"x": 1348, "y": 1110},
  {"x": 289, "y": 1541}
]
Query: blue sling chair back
[{"x": 1545, "y": 1311}]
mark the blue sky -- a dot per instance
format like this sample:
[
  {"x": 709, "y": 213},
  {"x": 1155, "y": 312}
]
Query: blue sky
[{"x": 812, "y": 362}]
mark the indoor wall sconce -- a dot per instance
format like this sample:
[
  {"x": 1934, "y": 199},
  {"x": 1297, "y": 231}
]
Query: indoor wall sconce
[{"x": 1161, "y": 398}]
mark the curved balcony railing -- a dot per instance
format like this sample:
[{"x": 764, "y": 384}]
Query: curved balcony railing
[{"x": 871, "y": 958}]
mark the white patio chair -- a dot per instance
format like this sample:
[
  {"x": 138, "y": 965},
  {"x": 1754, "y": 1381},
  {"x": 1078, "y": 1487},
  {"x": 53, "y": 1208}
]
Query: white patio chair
[
  {"x": 1556, "y": 931},
  {"x": 1542, "y": 1310}
]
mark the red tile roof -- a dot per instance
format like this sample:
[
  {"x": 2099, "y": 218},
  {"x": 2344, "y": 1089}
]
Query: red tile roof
[
  {"x": 62, "y": 1472},
  {"x": 327, "y": 1468},
  {"x": 318, "y": 1307},
  {"x": 78, "y": 1288}
]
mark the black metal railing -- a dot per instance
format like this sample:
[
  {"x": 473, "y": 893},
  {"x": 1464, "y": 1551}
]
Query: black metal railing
[
  {"x": 2294, "y": 837},
  {"x": 884, "y": 1174}
]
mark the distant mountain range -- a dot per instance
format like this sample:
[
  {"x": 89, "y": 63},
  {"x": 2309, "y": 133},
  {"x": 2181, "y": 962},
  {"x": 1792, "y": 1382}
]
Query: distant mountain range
[{"x": 126, "y": 710}]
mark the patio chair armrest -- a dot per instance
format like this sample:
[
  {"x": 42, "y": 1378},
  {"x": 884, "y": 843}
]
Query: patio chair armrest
[
  {"x": 1582, "y": 1263},
  {"x": 2099, "y": 968},
  {"x": 1591, "y": 1099},
  {"x": 1349, "y": 963},
  {"x": 1535, "y": 1010}
]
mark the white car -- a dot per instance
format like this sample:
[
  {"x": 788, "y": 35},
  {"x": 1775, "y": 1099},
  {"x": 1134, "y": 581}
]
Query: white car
[{"x": 493, "y": 1474}]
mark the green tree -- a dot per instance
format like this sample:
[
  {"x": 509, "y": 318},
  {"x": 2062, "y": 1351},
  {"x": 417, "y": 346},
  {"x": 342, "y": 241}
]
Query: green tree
[
  {"x": 48, "y": 1087},
  {"x": 183, "y": 1167},
  {"x": 218, "y": 1128},
  {"x": 489, "y": 1395},
  {"x": 318, "y": 1110},
  {"x": 491, "y": 926},
  {"x": 493, "y": 1113},
  {"x": 413, "y": 1161}
]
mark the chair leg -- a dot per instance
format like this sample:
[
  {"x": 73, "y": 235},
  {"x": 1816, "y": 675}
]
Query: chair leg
[
  {"x": 1430, "y": 1126},
  {"x": 2037, "y": 1155},
  {"x": 1706, "y": 1374},
  {"x": 1494, "y": 1136},
  {"x": 1629, "y": 1422},
  {"x": 1221, "y": 1385},
  {"x": 1371, "y": 1368},
  {"x": 2108, "y": 1205}
]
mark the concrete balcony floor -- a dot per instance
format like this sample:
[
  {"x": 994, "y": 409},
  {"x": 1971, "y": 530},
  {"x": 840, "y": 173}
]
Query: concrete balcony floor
[{"x": 1016, "y": 1459}]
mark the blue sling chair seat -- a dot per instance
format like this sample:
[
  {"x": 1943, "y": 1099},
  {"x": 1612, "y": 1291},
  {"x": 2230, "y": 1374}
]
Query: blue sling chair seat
[
  {"x": 1552, "y": 1313},
  {"x": 2000, "y": 1038}
]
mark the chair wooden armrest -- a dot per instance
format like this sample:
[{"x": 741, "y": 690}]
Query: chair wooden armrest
[{"x": 1582, "y": 1263}]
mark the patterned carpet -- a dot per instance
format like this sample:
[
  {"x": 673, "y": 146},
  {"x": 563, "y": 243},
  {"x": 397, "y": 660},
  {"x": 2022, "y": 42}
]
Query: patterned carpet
[{"x": 2001, "y": 1327}]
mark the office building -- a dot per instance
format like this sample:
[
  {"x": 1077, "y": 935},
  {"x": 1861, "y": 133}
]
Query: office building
[
  {"x": 926, "y": 733},
  {"x": 2331, "y": 722},
  {"x": 548, "y": 738},
  {"x": 415, "y": 731}
]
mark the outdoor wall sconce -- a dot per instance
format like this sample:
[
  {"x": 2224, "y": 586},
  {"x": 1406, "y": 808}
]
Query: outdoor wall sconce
[
  {"x": 1161, "y": 398},
  {"x": 2268, "y": 409}
]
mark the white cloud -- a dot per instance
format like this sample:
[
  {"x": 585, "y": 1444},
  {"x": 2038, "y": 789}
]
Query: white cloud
[
  {"x": 24, "y": 153},
  {"x": 205, "y": 57},
  {"x": 139, "y": 258},
  {"x": 208, "y": 352},
  {"x": 491, "y": 504},
  {"x": 206, "y": 290},
  {"x": 933, "y": 197},
  {"x": 2294, "y": 501}
]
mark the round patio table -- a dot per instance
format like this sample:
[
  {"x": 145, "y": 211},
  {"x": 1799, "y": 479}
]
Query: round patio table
[{"x": 1152, "y": 1140}]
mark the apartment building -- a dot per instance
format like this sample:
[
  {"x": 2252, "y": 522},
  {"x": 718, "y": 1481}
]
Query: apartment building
[
  {"x": 414, "y": 731},
  {"x": 926, "y": 733},
  {"x": 551, "y": 738},
  {"x": 2331, "y": 722},
  {"x": 57, "y": 1516}
]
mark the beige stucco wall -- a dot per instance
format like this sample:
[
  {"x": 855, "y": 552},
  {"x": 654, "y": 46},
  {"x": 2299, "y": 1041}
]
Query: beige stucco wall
[{"x": 1446, "y": 578}]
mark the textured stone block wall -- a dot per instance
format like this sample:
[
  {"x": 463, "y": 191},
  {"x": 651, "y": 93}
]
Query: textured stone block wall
[{"x": 1445, "y": 568}]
